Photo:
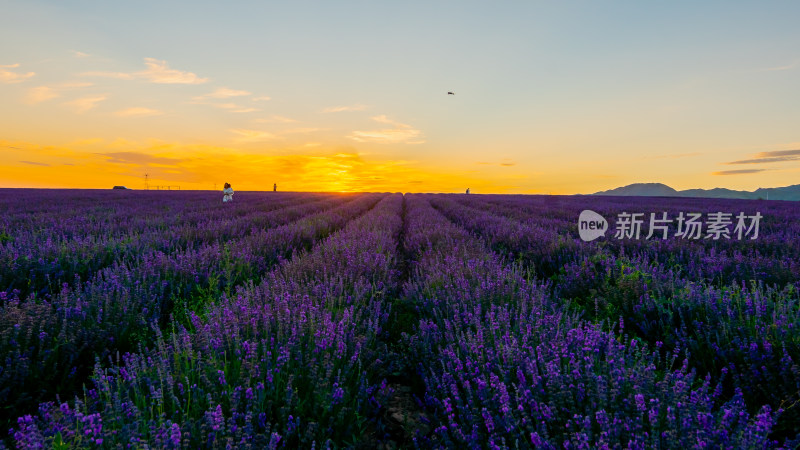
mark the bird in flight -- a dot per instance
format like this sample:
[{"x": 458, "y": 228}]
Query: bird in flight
[{"x": 451, "y": 93}]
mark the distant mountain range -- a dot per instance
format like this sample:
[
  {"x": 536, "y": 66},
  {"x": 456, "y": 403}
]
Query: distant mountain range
[{"x": 662, "y": 190}]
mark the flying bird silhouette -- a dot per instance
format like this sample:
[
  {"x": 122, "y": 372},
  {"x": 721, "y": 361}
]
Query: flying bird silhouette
[{"x": 451, "y": 93}]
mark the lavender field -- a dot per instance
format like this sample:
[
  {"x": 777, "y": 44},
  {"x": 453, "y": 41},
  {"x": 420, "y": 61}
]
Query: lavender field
[{"x": 136, "y": 319}]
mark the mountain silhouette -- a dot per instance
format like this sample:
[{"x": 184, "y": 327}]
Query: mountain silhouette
[{"x": 662, "y": 190}]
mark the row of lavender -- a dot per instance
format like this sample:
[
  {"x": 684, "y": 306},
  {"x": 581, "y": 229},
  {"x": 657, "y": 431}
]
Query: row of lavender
[
  {"x": 733, "y": 307},
  {"x": 546, "y": 231},
  {"x": 49, "y": 344},
  {"x": 284, "y": 362},
  {"x": 51, "y": 237},
  {"x": 505, "y": 364}
]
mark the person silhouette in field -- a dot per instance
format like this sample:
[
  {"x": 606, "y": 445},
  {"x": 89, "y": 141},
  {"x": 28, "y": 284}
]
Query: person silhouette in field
[
  {"x": 467, "y": 190},
  {"x": 275, "y": 187},
  {"x": 227, "y": 193}
]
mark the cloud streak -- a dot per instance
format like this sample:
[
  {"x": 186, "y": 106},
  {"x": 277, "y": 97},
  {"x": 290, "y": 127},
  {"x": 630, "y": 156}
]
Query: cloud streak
[
  {"x": 10, "y": 76},
  {"x": 43, "y": 93},
  {"x": 83, "y": 104},
  {"x": 252, "y": 135},
  {"x": 789, "y": 66},
  {"x": 139, "y": 158},
  {"x": 738, "y": 172},
  {"x": 138, "y": 112},
  {"x": 770, "y": 157},
  {"x": 231, "y": 107},
  {"x": 385, "y": 136},
  {"x": 275, "y": 119},
  {"x": 401, "y": 133},
  {"x": 349, "y": 108},
  {"x": 503, "y": 163},
  {"x": 117, "y": 75},
  {"x": 157, "y": 71},
  {"x": 222, "y": 92},
  {"x": 303, "y": 130},
  {"x": 383, "y": 119}
]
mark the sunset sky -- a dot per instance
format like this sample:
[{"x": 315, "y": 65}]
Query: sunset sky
[{"x": 551, "y": 97}]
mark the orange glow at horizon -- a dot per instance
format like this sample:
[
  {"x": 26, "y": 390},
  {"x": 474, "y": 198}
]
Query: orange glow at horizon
[{"x": 202, "y": 167}]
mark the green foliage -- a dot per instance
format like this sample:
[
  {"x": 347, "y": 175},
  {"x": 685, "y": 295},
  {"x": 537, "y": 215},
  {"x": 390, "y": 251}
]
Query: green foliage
[{"x": 5, "y": 237}]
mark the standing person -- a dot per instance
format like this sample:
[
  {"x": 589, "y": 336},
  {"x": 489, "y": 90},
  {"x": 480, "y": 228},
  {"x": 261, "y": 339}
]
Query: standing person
[
  {"x": 467, "y": 190},
  {"x": 227, "y": 193},
  {"x": 275, "y": 187}
]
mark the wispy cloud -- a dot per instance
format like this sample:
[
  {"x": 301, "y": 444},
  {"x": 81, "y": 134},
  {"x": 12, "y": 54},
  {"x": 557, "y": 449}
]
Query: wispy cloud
[
  {"x": 73, "y": 85},
  {"x": 222, "y": 93},
  {"x": 141, "y": 159},
  {"x": 43, "y": 93},
  {"x": 386, "y": 136},
  {"x": 78, "y": 54},
  {"x": 400, "y": 133},
  {"x": 303, "y": 130},
  {"x": 789, "y": 66},
  {"x": 138, "y": 112},
  {"x": 11, "y": 76},
  {"x": 83, "y": 104},
  {"x": 334, "y": 109},
  {"x": 386, "y": 120},
  {"x": 233, "y": 107},
  {"x": 274, "y": 119},
  {"x": 766, "y": 160},
  {"x": 36, "y": 155},
  {"x": 779, "y": 153},
  {"x": 504, "y": 163},
  {"x": 252, "y": 135},
  {"x": 262, "y": 98},
  {"x": 737, "y": 172},
  {"x": 117, "y": 75},
  {"x": 225, "y": 105},
  {"x": 157, "y": 72},
  {"x": 770, "y": 157}
]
